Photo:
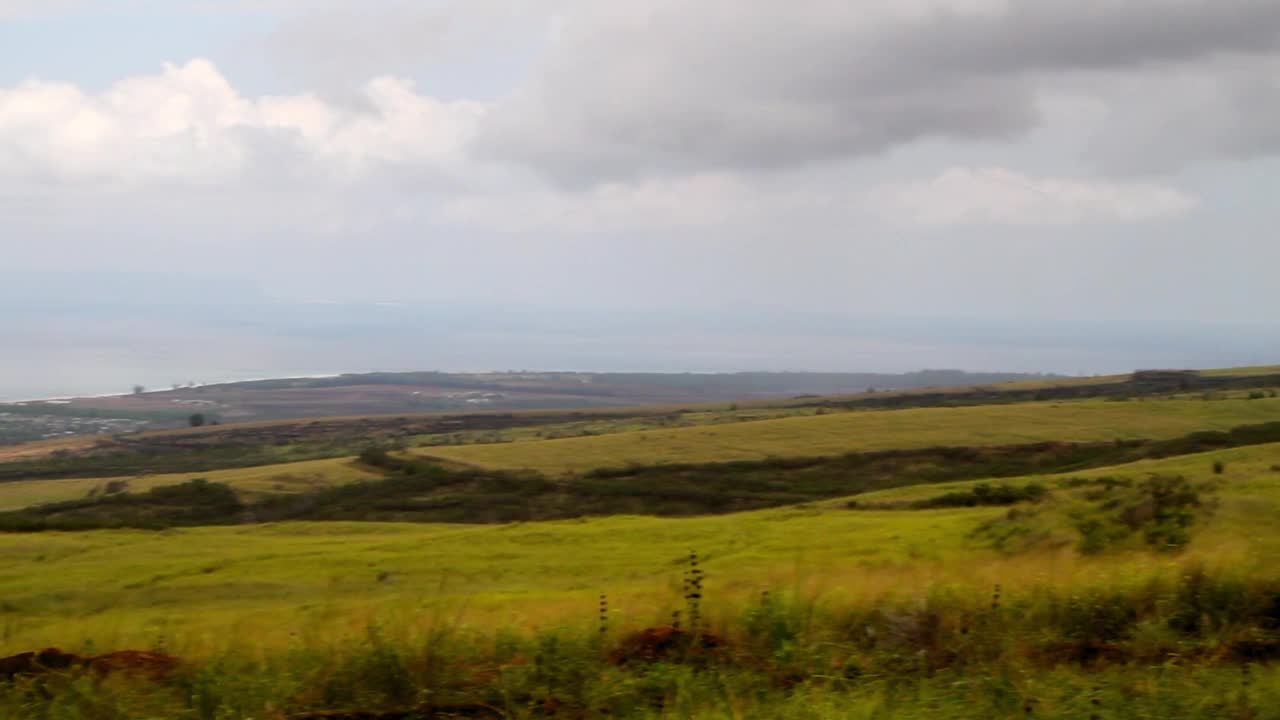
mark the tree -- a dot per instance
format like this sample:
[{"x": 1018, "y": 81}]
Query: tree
[
  {"x": 138, "y": 389},
  {"x": 196, "y": 419}
]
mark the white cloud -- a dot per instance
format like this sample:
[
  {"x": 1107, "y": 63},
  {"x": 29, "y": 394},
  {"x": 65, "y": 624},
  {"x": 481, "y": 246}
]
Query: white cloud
[
  {"x": 188, "y": 124},
  {"x": 963, "y": 195}
]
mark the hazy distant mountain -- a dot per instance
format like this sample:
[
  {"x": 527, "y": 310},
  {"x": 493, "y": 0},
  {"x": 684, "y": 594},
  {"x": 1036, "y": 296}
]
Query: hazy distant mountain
[{"x": 91, "y": 333}]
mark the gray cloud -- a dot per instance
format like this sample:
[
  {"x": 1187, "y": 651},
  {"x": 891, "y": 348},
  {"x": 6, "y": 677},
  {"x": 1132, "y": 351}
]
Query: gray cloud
[
  {"x": 1227, "y": 107},
  {"x": 674, "y": 87},
  {"x": 1097, "y": 34}
]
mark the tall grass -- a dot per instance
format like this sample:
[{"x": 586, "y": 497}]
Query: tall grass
[{"x": 1188, "y": 645}]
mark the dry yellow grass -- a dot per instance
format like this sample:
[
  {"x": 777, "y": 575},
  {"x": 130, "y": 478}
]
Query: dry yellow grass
[
  {"x": 874, "y": 430},
  {"x": 44, "y": 448},
  {"x": 285, "y": 477},
  {"x": 1245, "y": 371}
]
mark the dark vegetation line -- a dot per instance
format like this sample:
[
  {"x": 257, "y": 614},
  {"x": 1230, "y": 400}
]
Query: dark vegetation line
[
  {"x": 231, "y": 446},
  {"x": 1144, "y": 383},
  {"x": 419, "y": 490}
]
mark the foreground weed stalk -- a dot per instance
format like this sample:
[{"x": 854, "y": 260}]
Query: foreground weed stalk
[{"x": 693, "y": 591}]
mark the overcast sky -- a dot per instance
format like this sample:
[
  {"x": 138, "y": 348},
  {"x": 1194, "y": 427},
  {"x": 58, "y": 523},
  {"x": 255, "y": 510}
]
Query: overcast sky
[{"x": 1027, "y": 160}]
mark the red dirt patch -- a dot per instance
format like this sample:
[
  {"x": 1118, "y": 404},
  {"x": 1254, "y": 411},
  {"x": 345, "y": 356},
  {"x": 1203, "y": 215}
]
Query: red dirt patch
[
  {"x": 36, "y": 663},
  {"x": 436, "y": 712},
  {"x": 664, "y": 643},
  {"x": 156, "y": 666}
]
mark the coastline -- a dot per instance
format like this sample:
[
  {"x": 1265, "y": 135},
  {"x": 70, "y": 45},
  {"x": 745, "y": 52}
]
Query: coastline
[{"x": 64, "y": 398}]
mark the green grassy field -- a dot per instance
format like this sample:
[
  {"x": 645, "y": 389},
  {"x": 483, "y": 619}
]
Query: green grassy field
[
  {"x": 678, "y": 417},
  {"x": 370, "y": 616},
  {"x": 195, "y": 585},
  {"x": 1243, "y": 371},
  {"x": 882, "y": 607},
  {"x": 1244, "y": 496},
  {"x": 249, "y": 482},
  {"x": 835, "y": 433},
  {"x": 1246, "y": 471}
]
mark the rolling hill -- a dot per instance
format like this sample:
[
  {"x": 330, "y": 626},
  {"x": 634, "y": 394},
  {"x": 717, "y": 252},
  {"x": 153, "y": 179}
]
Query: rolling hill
[
  {"x": 836, "y": 433},
  {"x": 988, "y": 553}
]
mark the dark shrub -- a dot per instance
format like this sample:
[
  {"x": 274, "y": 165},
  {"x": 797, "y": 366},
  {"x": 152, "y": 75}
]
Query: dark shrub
[{"x": 984, "y": 494}]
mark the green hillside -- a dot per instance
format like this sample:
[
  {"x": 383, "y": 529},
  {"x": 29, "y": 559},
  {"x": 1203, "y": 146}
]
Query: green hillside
[
  {"x": 199, "y": 582},
  {"x": 836, "y": 433},
  {"x": 1069, "y": 559},
  {"x": 248, "y": 482}
]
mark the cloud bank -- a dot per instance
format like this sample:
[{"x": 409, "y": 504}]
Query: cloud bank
[{"x": 910, "y": 155}]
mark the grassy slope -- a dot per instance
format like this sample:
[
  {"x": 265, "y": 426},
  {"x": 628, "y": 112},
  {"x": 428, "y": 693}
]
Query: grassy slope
[
  {"x": 190, "y": 586},
  {"x": 1244, "y": 371},
  {"x": 1247, "y": 500},
  {"x": 1247, "y": 470},
  {"x": 292, "y": 589},
  {"x": 249, "y": 482},
  {"x": 275, "y": 579},
  {"x": 43, "y": 448},
  {"x": 685, "y": 417},
  {"x": 842, "y": 432}
]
